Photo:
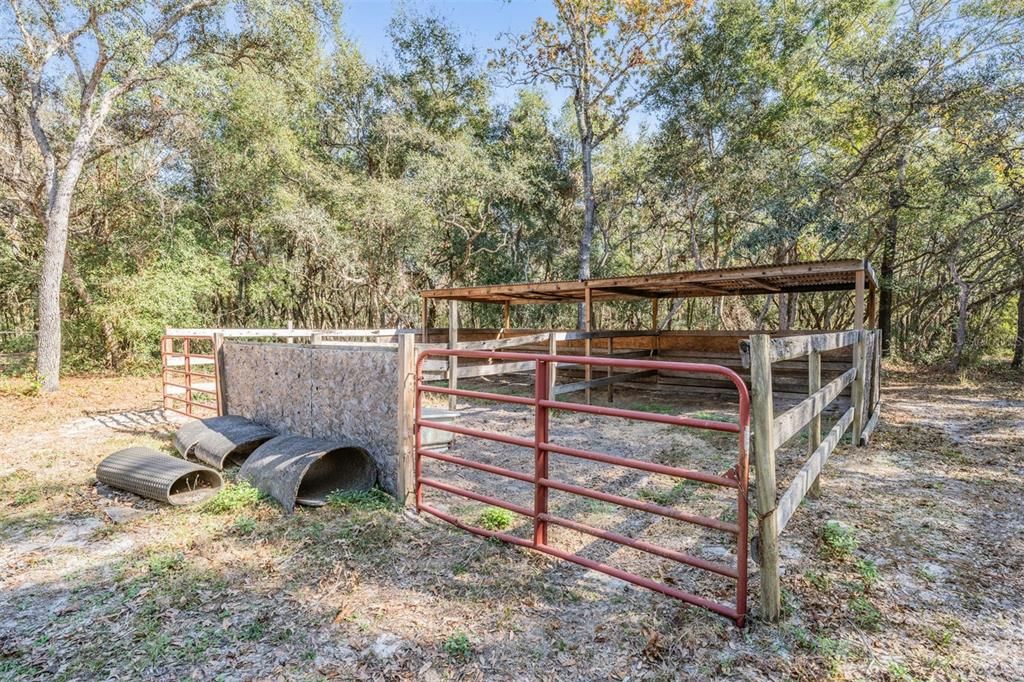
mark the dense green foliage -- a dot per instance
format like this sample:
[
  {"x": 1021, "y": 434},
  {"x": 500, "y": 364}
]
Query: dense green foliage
[{"x": 290, "y": 179}]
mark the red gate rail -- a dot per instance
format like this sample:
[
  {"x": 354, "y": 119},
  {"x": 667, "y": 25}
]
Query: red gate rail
[{"x": 541, "y": 402}]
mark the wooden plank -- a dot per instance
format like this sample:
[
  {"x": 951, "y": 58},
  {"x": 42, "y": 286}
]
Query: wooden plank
[
  {"x": 497, "y": 368},
  {"x": 790, "y": 347},
  {"x": 235, "y": 333},
  {"x": 453, "y": 362},
  {"x": 762, "y": 419},
  {"x": 814, "y": 428},
  {"x": 604, "y": 381},
  {"x": 791, "y": 422},
  {"x": 810, "y": 470},
  {"x": 509, "y": 342},
  {"x": 406, "y": 418}
]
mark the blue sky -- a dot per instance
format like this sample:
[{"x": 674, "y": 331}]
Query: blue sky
[{"x": 479, "y": 22}]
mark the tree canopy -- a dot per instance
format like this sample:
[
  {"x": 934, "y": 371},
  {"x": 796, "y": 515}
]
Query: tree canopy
[{"x": 246, "y": 165}]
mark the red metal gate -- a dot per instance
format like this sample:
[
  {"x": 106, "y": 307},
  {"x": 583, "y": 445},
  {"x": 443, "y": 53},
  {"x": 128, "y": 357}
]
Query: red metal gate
[
  {"x": 542, "y": 402},
  {"x": 186, "y": 390}
]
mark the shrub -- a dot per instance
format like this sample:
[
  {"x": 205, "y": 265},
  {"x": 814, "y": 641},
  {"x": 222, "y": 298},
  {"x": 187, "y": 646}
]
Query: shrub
[
  {"x": 495, "y": 518},
  {"x": 457, "y": 645}
]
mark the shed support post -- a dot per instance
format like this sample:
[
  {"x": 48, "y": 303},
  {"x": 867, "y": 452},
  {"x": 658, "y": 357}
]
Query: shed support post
[
  {"x": 588, "y": 371},
  {"x": 858, "y": 300},
  {"x": 506, "y": 318},
  {"x": 424, "y": 318},
  {"x": 453, "y": 362},
  {"x": 406, "y": 417},
  {"x": 552, "y": 366},
  {"x": 814, "y": 427},
  {"x": 611, "y": 386},
  {"x": 762, "y": 416}
]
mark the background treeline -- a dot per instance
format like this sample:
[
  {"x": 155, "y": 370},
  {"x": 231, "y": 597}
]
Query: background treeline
[{"x": 284, "y": 177}]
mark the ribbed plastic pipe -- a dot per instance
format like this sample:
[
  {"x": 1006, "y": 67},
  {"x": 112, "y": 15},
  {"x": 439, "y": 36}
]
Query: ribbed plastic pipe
[
  {"x": 158, "y": 476},
  {"x": 221, "y": 441},
  {"x": 293, "y": 469}
]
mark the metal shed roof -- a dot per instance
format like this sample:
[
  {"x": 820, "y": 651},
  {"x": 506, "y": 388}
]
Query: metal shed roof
[{"x": 835, "y": 275}]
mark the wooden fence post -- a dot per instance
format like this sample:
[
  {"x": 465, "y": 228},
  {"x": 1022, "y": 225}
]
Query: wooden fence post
[
  {"x": 218, "y": 372},
  {"x": 453, "y": 362},
  {"x": 405, "y": 447},
  {"x": 608, "y": 373},
  {"x": 857, "y": 395},
  {"x": 553, "y": 366},
  {"x": 814, "y": 428},
  {"x": 762, "y": 416}
]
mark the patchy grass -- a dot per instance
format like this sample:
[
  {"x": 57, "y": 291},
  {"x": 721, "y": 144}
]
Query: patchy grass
[
  {"x": 367, "y": 500},
  {"x": 359, "y": 589},
  {"x": 837, "y": 541},
  {"x": 233, "y": 497}
]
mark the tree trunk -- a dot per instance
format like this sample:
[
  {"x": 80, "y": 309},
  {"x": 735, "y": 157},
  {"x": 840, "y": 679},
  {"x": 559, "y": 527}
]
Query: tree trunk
[
  {"x": 897, "y": 199},
  {"x": 48, "y": 315},
  {"x": 589, "y": 207},
  {"x": 48, "y": 345},
  {"x": 1018, "y": 343},
  {"x": 963, "y": 301}
]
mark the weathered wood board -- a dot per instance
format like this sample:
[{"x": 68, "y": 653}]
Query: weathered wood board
[{"x": 322, "y": 391}]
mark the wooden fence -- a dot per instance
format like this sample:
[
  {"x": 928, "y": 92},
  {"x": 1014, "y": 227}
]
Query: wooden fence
[{"x": 771, "y": 431}]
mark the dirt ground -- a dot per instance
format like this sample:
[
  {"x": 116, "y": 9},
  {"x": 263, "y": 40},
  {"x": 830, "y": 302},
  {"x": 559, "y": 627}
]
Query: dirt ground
[{"x": 908, "y": 566}]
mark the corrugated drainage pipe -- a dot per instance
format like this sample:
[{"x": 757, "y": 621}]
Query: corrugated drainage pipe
[
  {"x": 221, "y": 441},
  {"x": 158, "y": 476},
  {"x": 293, "y": 469}
]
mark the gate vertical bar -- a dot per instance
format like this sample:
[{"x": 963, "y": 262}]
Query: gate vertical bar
[
  {"x": 540, "y": 464},
  {"x": 764, "y": 463},
  {"x": 188, "y": 376}
]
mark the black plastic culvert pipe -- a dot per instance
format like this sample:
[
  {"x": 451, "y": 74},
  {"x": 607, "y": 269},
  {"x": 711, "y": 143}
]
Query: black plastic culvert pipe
[
  {"x": 158, "y": 476},
  {"x": 294, "y": 469},
  {"x": 221, "y": 441}
]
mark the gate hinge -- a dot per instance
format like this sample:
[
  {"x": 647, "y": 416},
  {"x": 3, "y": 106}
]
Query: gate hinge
[{"x": 731, "y": 474}]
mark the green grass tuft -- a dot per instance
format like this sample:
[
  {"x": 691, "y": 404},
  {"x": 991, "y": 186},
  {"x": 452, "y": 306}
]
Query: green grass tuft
[
  {"x": 495, "y": 518},
  {"x": 374, "y": 499},
  {"x": 837, "y": 542},
  {"x": 233, "y": 497},
  {"x": 457, "y": 646}
]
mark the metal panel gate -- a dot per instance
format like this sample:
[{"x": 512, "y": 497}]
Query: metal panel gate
[
  {"x": 187, "y": 390},
  {"x": 736, "y": 478}
]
